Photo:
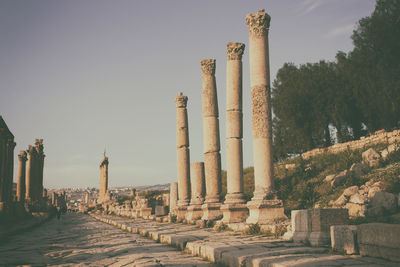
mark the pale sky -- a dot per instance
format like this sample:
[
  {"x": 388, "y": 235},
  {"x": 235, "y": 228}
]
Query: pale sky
[{"x": 95, "y": 74}]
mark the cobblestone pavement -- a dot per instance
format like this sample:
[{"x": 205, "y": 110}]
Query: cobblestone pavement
[
  {"x": 233, "y": 249},
  {"x": 79, "y": 239}
]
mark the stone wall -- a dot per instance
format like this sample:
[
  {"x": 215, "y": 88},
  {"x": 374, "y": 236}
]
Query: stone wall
[{"x": 378, "y": 137}]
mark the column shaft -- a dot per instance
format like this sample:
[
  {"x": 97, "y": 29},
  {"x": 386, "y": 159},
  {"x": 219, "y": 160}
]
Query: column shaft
[
  {"x": 197, "y": 183},
  {"x": 234, "y": 124},
  {"x": 211, "y": 140},
  {"x": 183, "y": 155},
  {"x": 21, "y": 176}
]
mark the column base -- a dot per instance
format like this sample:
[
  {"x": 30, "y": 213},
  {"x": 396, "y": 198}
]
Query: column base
[
  {"x": 194, "y": 213},
  {"x": 234, "y": 198},
  {"x": 181, "y": 213},
  {"x": 211, "y": 211},
  {"x": 145, "y": 212},
  {"x": 234, "y": 213},
  {"x": 265, "y": 211}
]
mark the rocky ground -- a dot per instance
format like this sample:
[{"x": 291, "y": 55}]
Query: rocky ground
[{"x": 78, "y": 239}]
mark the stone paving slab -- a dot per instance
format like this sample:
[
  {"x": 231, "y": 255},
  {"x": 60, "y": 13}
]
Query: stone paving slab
[
  {"x": 79, "y": 240},
  {"x": 233, "y": 249}
]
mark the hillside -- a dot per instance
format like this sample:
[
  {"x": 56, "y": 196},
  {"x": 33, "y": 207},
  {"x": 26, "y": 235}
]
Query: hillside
[{"x": 303, "y": 182}]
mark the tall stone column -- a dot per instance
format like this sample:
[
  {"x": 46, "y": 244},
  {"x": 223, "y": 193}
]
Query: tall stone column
[
  {"x": 183, "y": 156},
  {"x": 197, "y": 183},
  {"x": 103, "y": 179},
  {"x": 264, "y": 206},
  {"x": 211, "y": 141},
  {"x": 40, "y": 165},
  {"x": 234, "y": 208},
  {"x": 22, "y": 157},
  {"x": 30, "y": 174},
  {"x": 173, "y": 197}
]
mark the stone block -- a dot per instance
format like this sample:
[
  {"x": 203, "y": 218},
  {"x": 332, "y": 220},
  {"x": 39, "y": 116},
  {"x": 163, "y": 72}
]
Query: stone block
[
  {"x": 265, "y": 211},
  {"x": 301, "y": 225},
  {"x": 371, "y": 157},
  {"x": 382, "y": 202},
  {"x": 234, "y": 213},
  {"x": 194, "y": 212},
  {"x": 211, "y": 211},
  {"x": 379, "y": 240},
  {"x": 344, "y": 239},
  {"x": 161, "y": 210},
  {"x": 322, "y": 220}
]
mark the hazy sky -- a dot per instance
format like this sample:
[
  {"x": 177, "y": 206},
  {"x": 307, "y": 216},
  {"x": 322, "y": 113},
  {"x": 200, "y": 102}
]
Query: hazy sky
[{"x": 85, "y": 75}]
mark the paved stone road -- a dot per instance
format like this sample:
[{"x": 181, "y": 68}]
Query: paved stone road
[
  {"x": 233, "y": 249},
  {"x": 80, "y": 240}
]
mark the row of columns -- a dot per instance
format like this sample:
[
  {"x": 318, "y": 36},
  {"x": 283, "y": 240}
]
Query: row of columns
[
  {"x": 193, "y": 178},
  {"x": 30, "y": 173}
]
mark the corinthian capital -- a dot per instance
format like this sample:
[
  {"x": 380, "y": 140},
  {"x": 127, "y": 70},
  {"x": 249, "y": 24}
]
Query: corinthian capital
[
  {"x": 181, "y": 100},
  {"x": 22, "y": 155},
  {"x": 258, "y": 23},
  {"x": 235, "y": 51},
  {"x": 208, "y": 66}
]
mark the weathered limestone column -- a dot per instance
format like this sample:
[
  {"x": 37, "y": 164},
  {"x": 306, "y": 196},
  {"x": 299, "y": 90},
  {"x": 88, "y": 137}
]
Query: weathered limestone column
[
  {"x": 264, "y": 206},
  {"x": 197, "y": 182},
  {"x": 211, "y": 141},
  {"x": 103, "y": 179},
  {"x": 40, "y": 165},
  {"x": 173, "y": 197},
  {"x": 234, "y": 208},
  {"x": 183, "y": 157},
  {"x": 87, "y": 197},
  {"x": 30, "y": 174},
  {"x": 22, "y": 157}
]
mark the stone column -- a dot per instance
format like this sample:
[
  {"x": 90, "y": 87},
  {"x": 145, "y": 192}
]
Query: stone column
[
  {"x": 197, "y": 182},
  {"x": 173, "y": 197},
  {"x": 87, "y": 197},
  {"x": 103, "y": 179},
  {"x": 22, "y": 157},
  {"x": 264, "y": 206},
  {"x": 211, "y": 142},
  {"x": 183, "y": 157},
  {"x": 234, "y": 208},
  {"x": 40, "y": 165},
  {"x": 30, "y": 177}
]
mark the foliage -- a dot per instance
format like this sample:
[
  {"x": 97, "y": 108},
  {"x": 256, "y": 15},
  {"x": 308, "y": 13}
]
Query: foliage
[
  {"x": 358, "y": 92},
  {"x": 254, "y": 229}
]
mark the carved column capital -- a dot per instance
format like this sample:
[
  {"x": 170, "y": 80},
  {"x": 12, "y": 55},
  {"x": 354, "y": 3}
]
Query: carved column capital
[
  {"x": 22, "y": 155},
  {"x": 258, "y": 23},
  {"x": 181, "y": 100},
  {"x": 208, "y": 66},
  {"x": 235, "y": 51}
]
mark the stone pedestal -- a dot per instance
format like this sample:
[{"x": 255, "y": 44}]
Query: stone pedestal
[
  {"x": 181, "y": 213},
  {"x": 145, "y": 212},
  {"x": 211, "y": 141}
]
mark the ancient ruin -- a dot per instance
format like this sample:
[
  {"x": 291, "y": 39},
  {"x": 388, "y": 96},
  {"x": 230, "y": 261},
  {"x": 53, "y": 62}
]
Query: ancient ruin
[
  {"x": 197, "y": 182},
  {"x": 7, "y": 146},
  {"x": 183, "y": 155},
  {"x": 104, "y": 194},
  {"x": 34, "y": 173},
  {"x": 264, "y": 207},
  {"x": 211, "y": 141},
  {"x": 22, "y": 157},
  {"x": 234, "y": 208}
]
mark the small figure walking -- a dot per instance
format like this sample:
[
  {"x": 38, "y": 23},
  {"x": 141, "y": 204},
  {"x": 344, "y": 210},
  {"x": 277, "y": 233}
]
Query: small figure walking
[{"x": 58, "y": 213}]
